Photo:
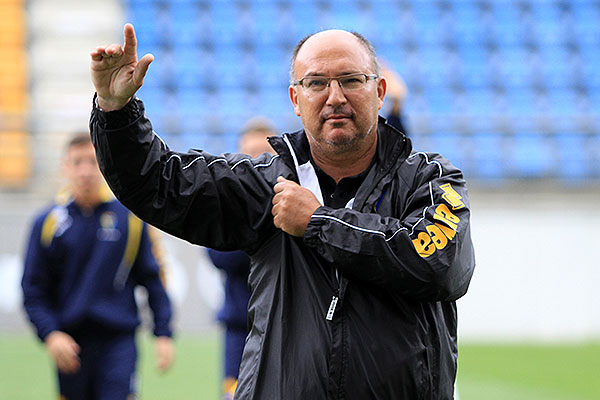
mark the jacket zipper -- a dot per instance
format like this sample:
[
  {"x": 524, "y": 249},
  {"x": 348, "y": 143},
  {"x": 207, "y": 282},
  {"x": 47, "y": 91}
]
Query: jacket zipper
[{"x": 334, "y": 298}]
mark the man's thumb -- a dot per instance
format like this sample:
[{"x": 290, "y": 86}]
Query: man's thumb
[{"x": 141, "y": 68}]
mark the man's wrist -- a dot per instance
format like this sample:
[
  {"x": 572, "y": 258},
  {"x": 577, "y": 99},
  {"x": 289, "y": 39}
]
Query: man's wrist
[
  {"x": 117, "y": 119},
  {"x": 107, "y": 106}
]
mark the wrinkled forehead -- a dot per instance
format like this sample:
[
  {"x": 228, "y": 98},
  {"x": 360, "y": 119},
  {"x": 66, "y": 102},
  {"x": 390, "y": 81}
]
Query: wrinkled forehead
[{"x": 332, "y": 53}]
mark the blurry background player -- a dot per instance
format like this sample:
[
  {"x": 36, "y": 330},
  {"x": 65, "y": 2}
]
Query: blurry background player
[
  {"x": 86, "y": 254},
  {"x": 395, "y": 96},
  {"x": 236, "y": 265}
]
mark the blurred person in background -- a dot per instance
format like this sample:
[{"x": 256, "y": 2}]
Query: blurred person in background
[
  {"x": 360, "y": 245},
  {"x": 396, "y": 96},
  {"x": 236, "y": 266},
  {"x": 86, "y": 255}
]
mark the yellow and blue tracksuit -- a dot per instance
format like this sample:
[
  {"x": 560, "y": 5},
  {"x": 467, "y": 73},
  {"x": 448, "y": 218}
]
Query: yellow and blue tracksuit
[
  {"x": 79, "y": 277},
  {"x": 234, "y": 313}
]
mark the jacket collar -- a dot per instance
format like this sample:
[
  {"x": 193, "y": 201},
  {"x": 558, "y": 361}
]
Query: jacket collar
[{"x": 392, "y": 150}]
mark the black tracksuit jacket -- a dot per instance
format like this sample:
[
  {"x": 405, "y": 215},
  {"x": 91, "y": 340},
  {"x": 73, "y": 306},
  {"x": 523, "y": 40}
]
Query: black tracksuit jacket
[{"x": 363, "y": 306}]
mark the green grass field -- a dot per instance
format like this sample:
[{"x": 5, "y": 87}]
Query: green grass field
[{"x": 486, "y": 372}]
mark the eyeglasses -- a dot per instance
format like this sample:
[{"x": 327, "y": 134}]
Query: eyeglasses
[{"x": 349, "y": 82}]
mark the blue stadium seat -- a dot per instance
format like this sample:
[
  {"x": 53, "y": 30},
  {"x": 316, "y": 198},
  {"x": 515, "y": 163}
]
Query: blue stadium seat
[
  {"x": 439, "y": 100},
  {"x": 467, "y": 25},
  {"x": 393, "y": 25},
  {"x": 142, "y": 12},
  {"x": 546, "y": 11},
  {"x": 593, "y": 151},
  {"x": 268, "y": 28},
  {"x": 393, "y": 55},
  {"x": 586, "y": 27},
  {"x": 572, "y": 154},
  {"x": 530, "y": 155},
  {"x": 194, "y": 109},
  {"x": 274, "y": 100},
  {"x": 273, "y": 67},
  {"x": 505, "y": 12},
  {"x": 161, "y": 69},
  {"x": 590, "y": 58},
  {"x": 474, "y": 66},
  {"x": 233, "y": 101},
  {"x": 347, "y": 15},
  {"x": 480, "y": 103},
  {"x": 562, "y": 101},
  {"x": 194, "y": 67},
  {"x": 430, "y": 26},
  {"x": 594, "y": 99},
  {"x": 520, "y": 101},
  {"x": 487, "y": 159},
  {"x": 450, "y": 145},
  {"x": 305, "y": 16},
  {"x": 433, "y": 66},
  {"x": 228, "y": 66},
  {"x": 556, "y": 68},
  {"x": 158, "y": 104},
  {"x": 190, "y": 24},
  {"x": 550, "y": 32},
  {"x": 519, "y": 67}
]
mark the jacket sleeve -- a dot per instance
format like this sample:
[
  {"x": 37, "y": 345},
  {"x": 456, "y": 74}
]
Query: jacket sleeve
[
  {"x": 425, "y": 253},
  {"x": 37, "y": 285},
  {"x": 232, "y": 262},
  {"x": 221, "y": 202},
  {"x": 150, "y": 271}
]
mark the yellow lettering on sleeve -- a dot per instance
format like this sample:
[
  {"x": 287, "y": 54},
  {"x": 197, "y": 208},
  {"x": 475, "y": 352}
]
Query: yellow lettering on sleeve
[
  {"x": 439, "y": 239},
  {"x": 443, "y": 213},
  {"x": 452, "y": 196},
  {"x": 447, "y": 231},
  {"x": 423, "y": 245}
]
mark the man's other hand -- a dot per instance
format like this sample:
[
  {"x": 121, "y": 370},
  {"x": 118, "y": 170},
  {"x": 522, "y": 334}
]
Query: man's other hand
[
  {"x": 165, "y": 353},
  {"x": 64, "y": 350},
  {"x": 293, "y": 206}
]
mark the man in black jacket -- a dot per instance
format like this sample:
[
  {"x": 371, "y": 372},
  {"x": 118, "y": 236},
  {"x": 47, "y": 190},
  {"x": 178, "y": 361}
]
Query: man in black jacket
[{"x": 359, "y": 244}]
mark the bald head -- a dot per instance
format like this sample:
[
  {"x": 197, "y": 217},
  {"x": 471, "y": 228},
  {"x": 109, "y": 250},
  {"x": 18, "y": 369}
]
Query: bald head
[{"x": 332, "y": 39}]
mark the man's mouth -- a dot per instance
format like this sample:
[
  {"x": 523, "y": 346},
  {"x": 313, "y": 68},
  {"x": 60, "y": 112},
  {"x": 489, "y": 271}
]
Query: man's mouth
[{"x": 337, "y": 116}]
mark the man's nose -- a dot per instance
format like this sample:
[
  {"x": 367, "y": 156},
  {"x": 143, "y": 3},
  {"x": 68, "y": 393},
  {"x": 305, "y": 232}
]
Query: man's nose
[{"x": 336, "y": 93}]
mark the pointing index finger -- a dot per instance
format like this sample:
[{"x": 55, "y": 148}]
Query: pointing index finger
[{"x": 130, "y": 40}]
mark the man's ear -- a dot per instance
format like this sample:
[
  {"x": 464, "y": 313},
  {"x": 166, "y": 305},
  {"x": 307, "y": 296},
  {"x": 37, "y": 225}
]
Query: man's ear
[
  {"x": 294, "y": 98},
  {"x": 381, "y": 90}
]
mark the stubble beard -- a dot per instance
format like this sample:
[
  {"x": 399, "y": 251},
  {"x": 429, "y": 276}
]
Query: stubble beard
[{"x": 343, "y": 144}]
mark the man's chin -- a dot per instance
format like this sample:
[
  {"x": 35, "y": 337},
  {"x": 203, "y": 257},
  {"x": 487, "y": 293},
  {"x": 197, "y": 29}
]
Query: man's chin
[{"x": 341, "y": 139}]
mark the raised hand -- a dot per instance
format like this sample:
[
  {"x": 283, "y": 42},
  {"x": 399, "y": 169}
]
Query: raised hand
[
  {"x": 293, "y": 205},
  {"x": 116, "y": 72}
]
